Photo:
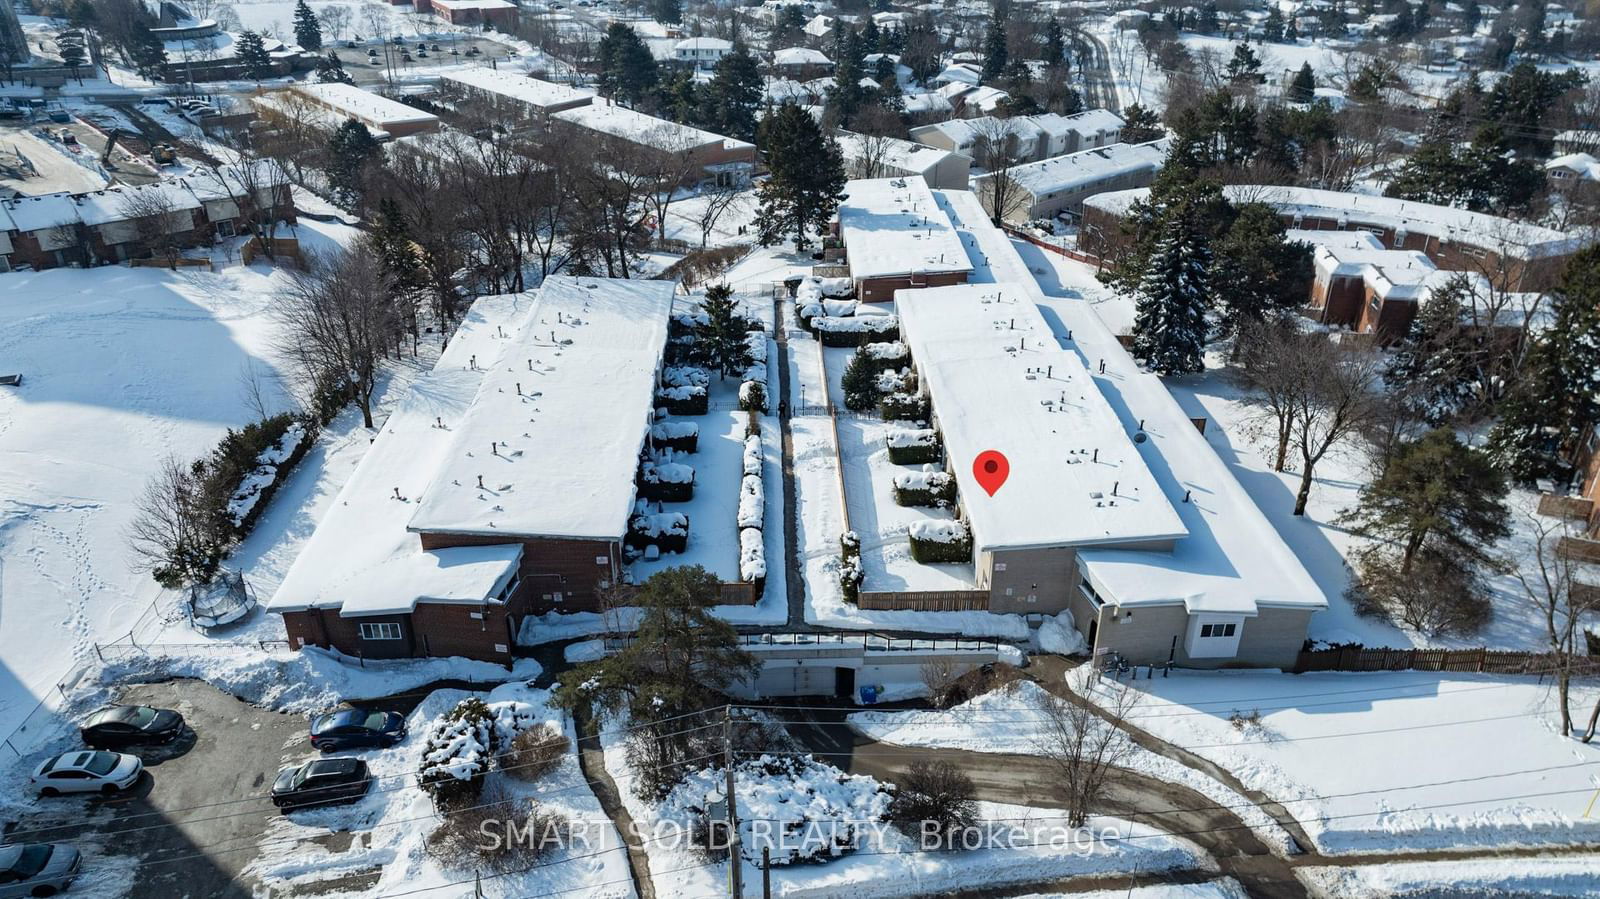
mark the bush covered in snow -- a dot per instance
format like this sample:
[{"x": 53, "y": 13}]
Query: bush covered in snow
[
  {"x": 457, "y": 754},
  {"x": 752, "y": 558},
  {"x": 461, "y": 842},
  {"x": 667, "y": 530},
  {"x": 925, "y": 488},
  {"x": 809, "y": 810},
  {"x": 904, "y": 407},
  {"x": 685, "y": 400},
  {"x": 273, "y": 464},
  {"x": 886, "y": 355},
  {"x": 752, "y": 500},
  {"x": 896, "y": 380},
  {"x": 912, "y": 446},
  {"x": 940, "y": 540},
  {"x": 855, "y": 330},
  {"x": 752, "y": 454},
  {"x": 753, "y": 396},
  {"x": 850, "y": 571},
  {"x": 682, "y": 436},
  {"x": 665, "y": 481},
  {"x": 684, "y": 376},
  {"x": 933, "y": 798}
]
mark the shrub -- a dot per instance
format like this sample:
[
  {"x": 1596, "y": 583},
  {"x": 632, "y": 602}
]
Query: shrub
[
  {"x": 1440, "y": 595},
  {"x": 850, "y": 571},
  {"x": 753, "y": 396},
  {"x": 667, "y": 482},
  {"x": 667, "y": 530},
  {"x": 860, "y": 384},
  {"x": 942, "y": 678},
  {"x": 534, "y": 752},
  {"x": 752, "y": 498},
  {"x": 936, "y": 792},
  {"x": 457, "y": 754},
  {"x": 924, "y": 488},
  {"x": 940, "y": 540},
  {"x": 685, "y": 400},
  {"x": 855, "y": 330},
  {"x": 505, "y": 835},
  {"x": 904, "y": 407},
  {"x": 681, "y": 436}
]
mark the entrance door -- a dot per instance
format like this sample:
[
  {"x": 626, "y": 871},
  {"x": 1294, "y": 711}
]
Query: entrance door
[
  {"x": 1094, "y": 628},
  {"x": 844, "y": 682}
]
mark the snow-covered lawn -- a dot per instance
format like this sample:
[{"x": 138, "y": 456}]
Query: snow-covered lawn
[
  {"x": 885, "y": 862},
  {"x": 393, "y": 822},
  {"x": 1013, "y": 722},
  {"x": 1393, "y": 760},
  {"x": 1574, "y": 876}
]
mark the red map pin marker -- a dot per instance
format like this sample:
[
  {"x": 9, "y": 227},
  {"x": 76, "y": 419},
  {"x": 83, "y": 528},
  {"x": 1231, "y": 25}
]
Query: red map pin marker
[{"x": 990, "y": 468}]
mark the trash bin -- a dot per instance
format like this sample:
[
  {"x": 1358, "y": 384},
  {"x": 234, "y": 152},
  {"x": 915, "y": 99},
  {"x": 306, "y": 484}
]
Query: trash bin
[{"x": 869, "y": 694}]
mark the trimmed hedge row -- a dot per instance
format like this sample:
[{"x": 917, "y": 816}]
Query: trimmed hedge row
[
  {"x": 904, "y": 407},
  {"x": 934, "y": 551},
  {"x": 940, "y": 491}
]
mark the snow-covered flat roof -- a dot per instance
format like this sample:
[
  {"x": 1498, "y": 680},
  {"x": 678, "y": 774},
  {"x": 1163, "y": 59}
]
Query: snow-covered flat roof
[
  {"x": 800, "y": 56},
  {"x": 619, "y": 121},
  {"x": 346, "y": 562},
  {"x": 1478, "y": 229},
  {"x": 474, "y": 4},
  {"x": 1232, "y": 559},
  {"x": 1094, "y": 121},
  {"x": 1392, "y": 274},
  {"x": 892, "y": 226},
  {"x": 902, "y": 154},
  {"x": 1076, "y": 170},
  {"x": 364, "y": 105},
  {"x": 531, "y": 91},
  {"x": 1000, "y": 380},
  {"x": 554, "y": 433},
  {"x": 39, "y": 213}
]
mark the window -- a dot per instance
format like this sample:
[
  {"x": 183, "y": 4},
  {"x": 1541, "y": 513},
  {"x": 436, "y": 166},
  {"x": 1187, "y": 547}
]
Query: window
[
  {"x": 1216, "y": 630},
  {"x": 510, "y": 588},
  {"x": 382, "y": 630},
  {"x": 1090, "y": 594}
]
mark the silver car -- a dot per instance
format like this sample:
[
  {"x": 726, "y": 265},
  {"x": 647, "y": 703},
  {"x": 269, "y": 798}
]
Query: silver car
[{"x": 37, "y": 869}]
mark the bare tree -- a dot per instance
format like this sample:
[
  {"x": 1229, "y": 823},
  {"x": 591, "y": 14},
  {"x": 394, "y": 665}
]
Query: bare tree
[
  {"x": 940, "y": 675},
  {"x": 716, "y": 200},
  {"x": 995, "y": 149},
  {"x": 171, "y": 533},
  {"x": 1085, "y": 742},
  {"x": 336, "y": 19},
  {"x": 1272, "y": 367},
  {"x": 1563, "y": 600},
  {"x": 157, "y": 219},
  {"x": 339, "y": 322},
  {"x": 1338, "y": 401}
]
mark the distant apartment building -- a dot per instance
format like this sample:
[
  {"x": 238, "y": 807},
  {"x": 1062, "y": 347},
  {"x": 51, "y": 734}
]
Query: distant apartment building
[
  {"x": 501, "y": 14},
  {"x": 706, "y": 156},
  {"x": 331, "y": 105},
  {"x": 1026, "y": 138},
  {"x": 871, "y": 156},
  {"x": 513, "y": 97},
  {"x": 1059, "y": 185}
]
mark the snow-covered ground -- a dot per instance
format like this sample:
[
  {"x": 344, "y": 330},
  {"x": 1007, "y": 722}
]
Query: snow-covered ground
[
  {"x": 33, "y": 165},
  {"x": 1322, "y": 544},
  {"x": 122, "y": 368},
  {"x": 1570, "y": 877},
  {"x": 1013, "y": 722},
  {"x": 885, "y": 862},
  {"x": 1392, "y": 760},
  {"x": 393, "y": 822}
]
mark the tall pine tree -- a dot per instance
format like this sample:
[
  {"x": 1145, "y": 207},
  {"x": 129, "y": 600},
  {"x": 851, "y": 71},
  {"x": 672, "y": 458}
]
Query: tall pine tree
[
  {"x": 1432, "y": 372},
  {"x": 733, "y": 98},
  {"x": 807, "y": 180},
  {"x": 330, "y": 70},
  {"x": 350, "y": 150},
  {"x": 1557, "y": 401},
  {"x": 627, "y": 70},
  {"x": 307, "y": 30},
  {"x": 1169, "y": 330},
  {"x": 251, "y": 51},
  {"x": 722, "y": 334}
]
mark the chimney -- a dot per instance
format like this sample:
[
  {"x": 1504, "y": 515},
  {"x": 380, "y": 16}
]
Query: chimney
[
  {"x": 1114, "y": 486},
  {"x": 1096, "y": 456},
  {"x": 480, "y": 482}
]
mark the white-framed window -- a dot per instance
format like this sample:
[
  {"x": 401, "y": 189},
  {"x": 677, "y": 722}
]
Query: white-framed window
[
  {"x": 1216, "y": 630},
  {"x": 1090, "y": 594},
  {"x": 380, "y": 630}
]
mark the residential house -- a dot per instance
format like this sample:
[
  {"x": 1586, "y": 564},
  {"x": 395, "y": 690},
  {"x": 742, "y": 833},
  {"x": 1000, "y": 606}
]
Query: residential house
[
  {"x": 701, "y": 52},
  {"x": 1058, "y": 186},
  {"x": 893, "y": 234}
]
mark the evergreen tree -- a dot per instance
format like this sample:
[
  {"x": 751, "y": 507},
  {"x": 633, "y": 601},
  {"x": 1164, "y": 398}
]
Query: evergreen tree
[
  {"x": 1208, "y": 22},
  {"x": 733, "y": 97},
  {"x": 1471, "y": 16},
  {"x": 1370, "y": 81},
  {"x": 1483, "y": 177},
  {"x": 350, "y": 151},
  {"x": 1264, "y": 272},
  {"x": 1272, "y": 28},
  {"x": 627, "y": 70},
  {"x": 668, "y": 12},
  {"x": 995, "y": 53},
  {"x": 391, "y": 237},
  {"x": 1055, "y": 44},
  {"x": 1338, "y": 24},
  {"x": 1291, "y": 32},
  {"x": 1169, "y": 330},
  {"x": 1432, "y": 371},
  {"x": 723, "y": 332},
  {"x": 251, "y": 51},
  {"x": 307, "y": 30},
  {"x": 846, "y": 95},
  {"x": 1303, "y": 87},
  {"x": 330, "y": 70},
  {"x": 1436, "y": 493},
  {"x": 1404, "y": 24},
  {"x": 860, "y": 383},
  {"x": 1141, "y": 125},
  {"x": 678, "y": 98},
  {"x": 1556, "y": 403},
  {"x": 144, "y": 49},
  {"x": 807, "y": 177},
  {"x": 1245, "y": 66},
  {"x": 871, "y": 37}
]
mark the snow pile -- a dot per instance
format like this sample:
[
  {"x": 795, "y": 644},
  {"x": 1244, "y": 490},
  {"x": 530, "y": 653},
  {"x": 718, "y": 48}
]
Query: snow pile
[
  {"x": 838, "y": 308},
  {"x": 1059, "y": 634},
  {"x": 752, "y": 556},
  {"x": 807, "y": 811},
  {"x": 835, "y": 287},
  {"x": 939, "y": 530},
  {"x": 751, "y": 502},
  {"x": 269, "y": 468},
  {"x": 684, "y": 376},
  {"x": 905, "y": 438}
]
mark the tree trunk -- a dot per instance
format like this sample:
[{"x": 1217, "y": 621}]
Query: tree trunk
[
  {"x": 1594, "y": 718},
  {"x": 1563, "y": 682},
  {"x": 1304, "y": 496},
  {"x": 1283, "y": 449}
]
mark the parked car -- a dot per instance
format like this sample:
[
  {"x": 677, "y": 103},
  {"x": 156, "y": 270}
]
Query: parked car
[
  {"x": 37, "y": 869},
  {"x": 87, "y": 771},
  {"x": 349, "y": 45},
  {"x": 422, "y": 54},
  {"x": 357, "y": 728},
  {"x": 130, "y": 725},
  {"x": 321, "y": 782},
  {"x": 371, "y": 53}
]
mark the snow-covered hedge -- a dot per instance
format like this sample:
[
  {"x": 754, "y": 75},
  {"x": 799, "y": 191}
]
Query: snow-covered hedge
[
  {"x": 896, "y": 380},
  {"x": 836, "y": 287},
  {"x": 810, "y": 810},
  {"x": 667, "y": 530},
  {"x": 666, "y": 481},
  {"x": 752, "y": 454},
  {"x": 273, "y": 465},
  {"x": 753, "y": 396},
  {"x": 924, "y": 488},
  {"x": 850, "y": 571},
  {"x": 912, "y": 446},
  {"x": 940, "y": 540},
  {"x": 684, "y": 400},
  {"x": 753, "y": 390},
  {"x": 891, "y": 354},
  {"x": 752, "y": 557},
  {"x": 683, "y": 436},
  {"x": 751, "y": 501},
  {"x": 904, "y": 407},
  {"x": 459, "y": 749},
  {"x": 855, "y": 330},
  {"x": 684, "y": 376}
]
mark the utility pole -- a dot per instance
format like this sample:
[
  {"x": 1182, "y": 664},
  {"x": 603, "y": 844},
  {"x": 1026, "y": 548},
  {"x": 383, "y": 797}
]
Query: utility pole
[{"x": 735, "y": 863}]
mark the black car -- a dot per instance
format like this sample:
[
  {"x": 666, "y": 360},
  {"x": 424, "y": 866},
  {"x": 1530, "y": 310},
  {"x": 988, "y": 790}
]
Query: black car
[
  {"x": 131, "y": 725},
  {"x": 321, "y": 782},
  {"x": 357, "y": 729}
]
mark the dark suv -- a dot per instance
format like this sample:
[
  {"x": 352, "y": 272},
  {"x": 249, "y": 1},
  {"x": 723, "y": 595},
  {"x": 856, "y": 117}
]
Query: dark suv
[{"x": 321, "y": 782}]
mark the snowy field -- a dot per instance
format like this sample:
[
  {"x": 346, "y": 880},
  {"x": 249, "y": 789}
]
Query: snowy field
[
  {"x": 1393, "y": 760},
  {"x": 1569, "y": 877},
  {"x": 122, "y": 368},
  {"x": 1318, "y": 539},
  {"x": 393, "y": 821}
]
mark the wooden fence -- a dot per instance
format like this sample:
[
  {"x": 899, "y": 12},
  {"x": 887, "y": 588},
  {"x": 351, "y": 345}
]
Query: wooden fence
[
  {"x": 737, "y": 593},
  {"x": 175, "y": 264},
  {"x": 284, "y": 249},
  {"x": 925, "y": 600},
  {"x": 1573, "y": 507},
  {"x": 1054, "y": 248},
  {"x": 1361, "y": 658}
]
